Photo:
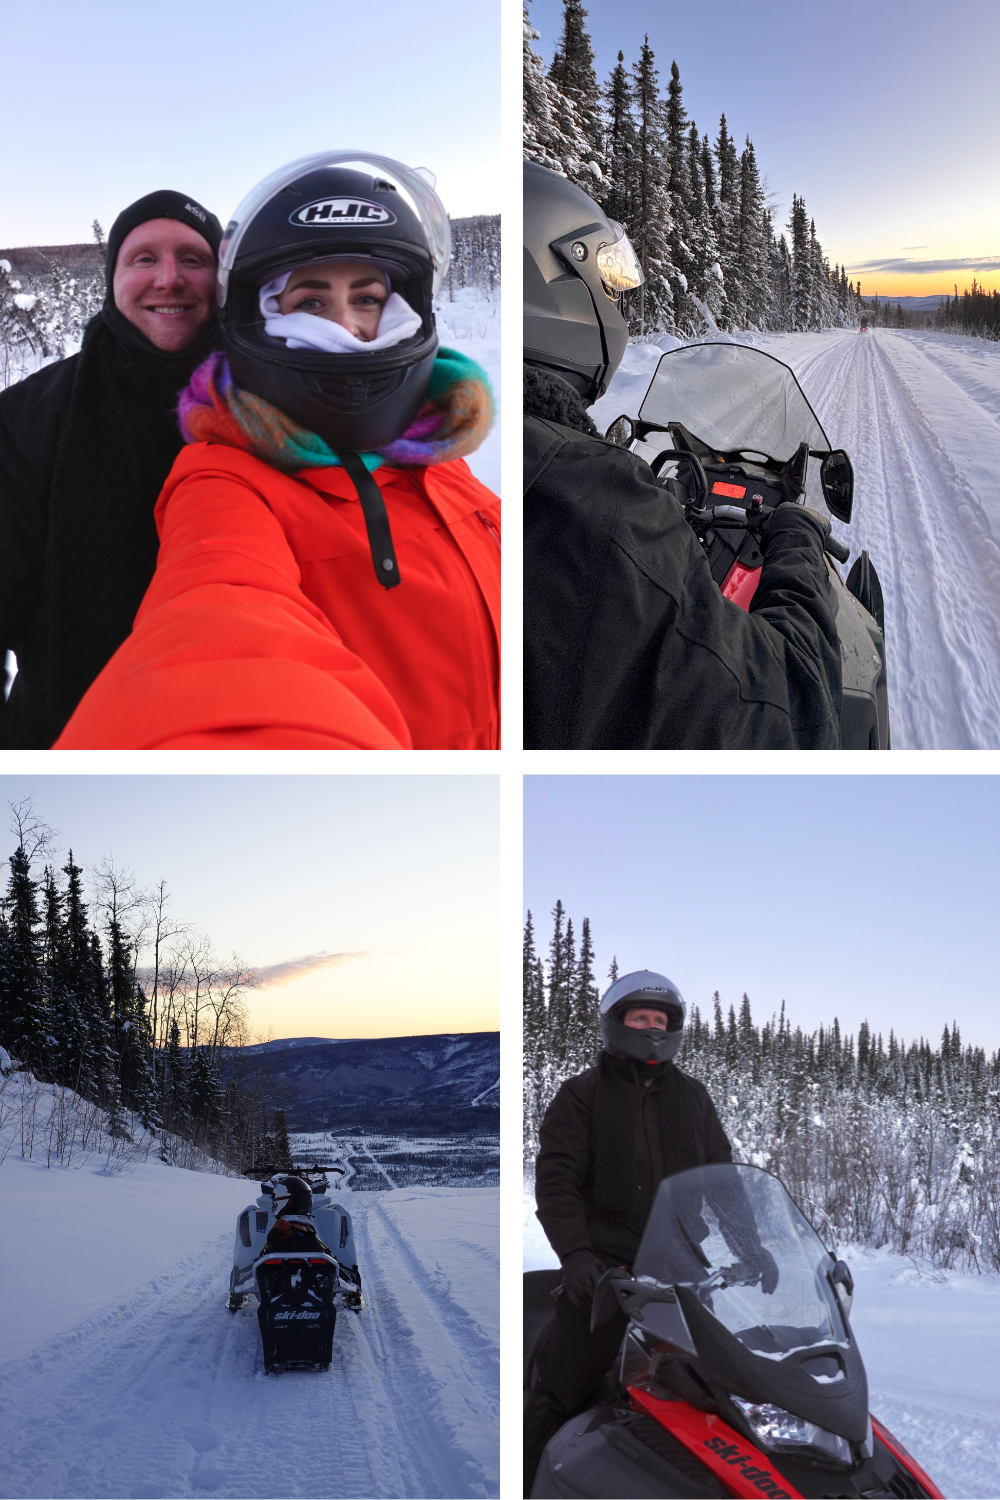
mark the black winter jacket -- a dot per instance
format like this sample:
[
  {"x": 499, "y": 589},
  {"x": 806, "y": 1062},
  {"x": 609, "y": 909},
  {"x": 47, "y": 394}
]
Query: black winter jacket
[
  {"x": 85, "y": 445},
  {"x": 566, "y": 1167},
  {"x": 628, "y": 641}
]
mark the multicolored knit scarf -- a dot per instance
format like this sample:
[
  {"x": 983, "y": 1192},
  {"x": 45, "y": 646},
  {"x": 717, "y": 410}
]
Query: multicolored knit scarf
[{"x": 452, "y": 423}]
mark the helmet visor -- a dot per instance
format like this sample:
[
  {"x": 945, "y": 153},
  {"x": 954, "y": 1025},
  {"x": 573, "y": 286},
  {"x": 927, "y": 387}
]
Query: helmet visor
[
  {"x": 672, "y": 1014},
  {"x": 619, "y": 266},
  {"x": 414, "y": 184}
]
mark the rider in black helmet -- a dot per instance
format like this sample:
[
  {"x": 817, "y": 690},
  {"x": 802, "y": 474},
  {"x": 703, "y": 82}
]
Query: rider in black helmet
[
  {"x": 608, "y": 1139},
  {"x": 629, "y": 643}
]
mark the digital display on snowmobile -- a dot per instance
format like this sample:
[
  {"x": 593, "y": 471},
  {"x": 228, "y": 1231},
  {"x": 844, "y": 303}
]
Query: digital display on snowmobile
[
  {"x": 733, "y": 397},
  {"x": 733, "y": 1235}
]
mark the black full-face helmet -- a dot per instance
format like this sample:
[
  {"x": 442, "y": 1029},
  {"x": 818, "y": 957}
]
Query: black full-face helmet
[
  {"x": 577, "y": 264},
  {"x": 292, "y": 1195},
  {"x": 645, "y": 990},
  {"x": 353, "y": 206}
]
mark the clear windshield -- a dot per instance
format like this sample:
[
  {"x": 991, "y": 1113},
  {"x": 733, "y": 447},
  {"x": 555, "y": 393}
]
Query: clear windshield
[
  {"x": 733, "y": 397},
  {"x": 733, "y": 1235}
]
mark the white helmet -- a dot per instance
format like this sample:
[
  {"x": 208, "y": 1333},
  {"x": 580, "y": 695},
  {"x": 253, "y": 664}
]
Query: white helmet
[{"x": 650, "y": 991}]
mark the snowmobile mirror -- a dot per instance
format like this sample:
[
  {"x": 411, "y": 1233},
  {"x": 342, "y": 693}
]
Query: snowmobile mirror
[
  {"x": 843, "y": 1284},
  {"x": 621, "y": 432},
  {"x": 837, "y": 478}
]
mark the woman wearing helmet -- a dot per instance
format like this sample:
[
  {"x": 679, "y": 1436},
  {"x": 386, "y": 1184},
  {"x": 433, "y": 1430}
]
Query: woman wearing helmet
[
  {"x": 329, "y": 568},
  {"x": 607, "y": 1140}
]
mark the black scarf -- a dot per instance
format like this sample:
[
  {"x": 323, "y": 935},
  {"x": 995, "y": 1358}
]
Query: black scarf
[
  {"x": 616, "y": 1186},
  {"x": 546, "y": 395},
  {"x": 117, "y": 447}
]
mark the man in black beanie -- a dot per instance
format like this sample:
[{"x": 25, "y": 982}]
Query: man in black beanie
[{"x": 85, "y": 446}]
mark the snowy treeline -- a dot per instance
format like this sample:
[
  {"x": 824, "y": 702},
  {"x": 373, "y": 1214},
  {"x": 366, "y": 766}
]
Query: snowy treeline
[
  {"x": 695, "y": 210},
  {"x": 475, "y": 254},
  {"x": 42, "y": 317},
  {"x": 881, "y": 1142},
  {"x": 145, "y": 1046},
  {"x": 976, "y": 312}
]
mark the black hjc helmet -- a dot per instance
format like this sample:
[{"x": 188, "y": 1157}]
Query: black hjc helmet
[
  {"x": 346, "y": 204},
  {"x": 577, "y": 263},
  {"x": 651, "y": 991}
]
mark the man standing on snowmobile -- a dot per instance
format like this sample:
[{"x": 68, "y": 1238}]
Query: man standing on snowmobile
[
  {"x": 629, "y": 643},
  {"x": 608, "y": 1139}
]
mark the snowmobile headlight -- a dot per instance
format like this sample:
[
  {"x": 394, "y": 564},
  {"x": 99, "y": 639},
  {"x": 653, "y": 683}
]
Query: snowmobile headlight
[
  {"x": 782, "y": 1431},
  {"x": 618, "y": 266}
]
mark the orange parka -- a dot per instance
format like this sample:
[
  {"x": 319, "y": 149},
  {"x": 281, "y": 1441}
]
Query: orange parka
[{"x": 265, "y": 626}]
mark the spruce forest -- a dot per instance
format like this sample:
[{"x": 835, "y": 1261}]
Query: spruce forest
[
  {"x": 880, "y": 1141},
  {"x": 115, "y": 1053},
  {"x": 695, "y": 209}
]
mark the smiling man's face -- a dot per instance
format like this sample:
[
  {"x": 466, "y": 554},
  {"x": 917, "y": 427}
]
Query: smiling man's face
[{"x": 164, "y": 282}]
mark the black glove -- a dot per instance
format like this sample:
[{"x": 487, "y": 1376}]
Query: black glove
[
  {"x": 765, "y": 1269},
  {"x": 581, "y": 1273}
]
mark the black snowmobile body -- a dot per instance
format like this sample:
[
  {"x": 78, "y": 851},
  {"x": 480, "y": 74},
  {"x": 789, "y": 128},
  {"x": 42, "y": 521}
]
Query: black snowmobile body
[
  {"x": 713, "y": 415},
  {"x": 296, "y": 1278},
  {"x": 739, "y": 1374}
]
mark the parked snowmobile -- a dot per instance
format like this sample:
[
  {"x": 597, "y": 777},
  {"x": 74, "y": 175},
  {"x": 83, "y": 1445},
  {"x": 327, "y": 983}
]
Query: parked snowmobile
[
  {"x": 739, "y": 1373},
  {"x": 295, "y": 1252},
  {"x": 864, "y": 325},
  {"x": 725, "y": 410}
]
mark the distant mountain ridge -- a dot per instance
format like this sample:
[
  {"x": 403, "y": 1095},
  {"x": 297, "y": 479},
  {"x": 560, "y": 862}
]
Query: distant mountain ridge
[{"x": 413, "y": 1084}]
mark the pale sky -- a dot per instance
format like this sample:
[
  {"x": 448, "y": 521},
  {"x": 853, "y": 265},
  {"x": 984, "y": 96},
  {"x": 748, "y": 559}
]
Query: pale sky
[
  {"x": 861, "y": 897},
  {"x": 370, "y": 903},
  {"x": 105, "y": 102},
  {"x": 882, "y": 115}
]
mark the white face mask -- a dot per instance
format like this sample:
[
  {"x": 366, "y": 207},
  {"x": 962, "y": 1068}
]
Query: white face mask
[{"x": 304, "y": 330}]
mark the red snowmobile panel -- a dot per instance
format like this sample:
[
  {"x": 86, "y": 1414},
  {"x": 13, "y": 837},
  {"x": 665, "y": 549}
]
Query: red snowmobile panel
[{"x": 742, "y": 1468}]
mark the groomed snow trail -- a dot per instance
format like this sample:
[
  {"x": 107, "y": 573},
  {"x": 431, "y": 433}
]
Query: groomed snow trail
[
  {"x": 167, "y": 1396},
  {"x": 919, "y": 418},
  {"x": 919, "y": 414}
]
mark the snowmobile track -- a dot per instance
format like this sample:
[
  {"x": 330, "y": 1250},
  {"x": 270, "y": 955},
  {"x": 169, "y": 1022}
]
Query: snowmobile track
[{"x": 922, "y": 516}]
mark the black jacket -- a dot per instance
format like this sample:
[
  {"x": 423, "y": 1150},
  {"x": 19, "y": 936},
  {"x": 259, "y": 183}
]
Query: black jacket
[
  {"x": 85, "y": 446},
  {"x": 566, "y": 1171},
  {"x": 628, "y": 641}
]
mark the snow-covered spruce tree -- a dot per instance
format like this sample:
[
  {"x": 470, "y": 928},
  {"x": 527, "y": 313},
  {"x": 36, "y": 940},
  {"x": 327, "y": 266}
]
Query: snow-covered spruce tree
[
  {"x": 618, "y": 188},
  {"x": 800, "y": 288},
  {"x": 572, "y": 73},
  {"x": 282, "y": 1145},
  {"x": 176, "y": 1106},
  {"x": 727, "y": 227},
  {"x": 752, "y": 244},
  {"x": 22, "y": 996},
  {"x": 706, "y": 286},
  {"x": 585, "y": 1036},
  {"x": 651, "y": 225},
  {"x": 553, "y": 134},
  {"x": 475, "y": 254}
]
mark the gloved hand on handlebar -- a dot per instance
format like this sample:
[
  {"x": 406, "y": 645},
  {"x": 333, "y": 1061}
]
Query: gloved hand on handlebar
[{"x": 581, "y": 1273}]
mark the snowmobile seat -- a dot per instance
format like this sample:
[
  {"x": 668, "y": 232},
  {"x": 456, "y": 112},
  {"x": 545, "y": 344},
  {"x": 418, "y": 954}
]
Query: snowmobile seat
[{"x": 539, "y": 1312}]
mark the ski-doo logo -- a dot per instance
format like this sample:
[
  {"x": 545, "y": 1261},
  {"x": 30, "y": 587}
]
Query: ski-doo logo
[
  {"x": 285, "y": 1317},
  {"x": 342, "y": 211},
  {"x": 199, "y": 213},
  {"x": 761, "y": 1479}
]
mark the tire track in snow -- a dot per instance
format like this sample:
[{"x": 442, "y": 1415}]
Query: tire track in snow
[{"x": 922, "y": 521}]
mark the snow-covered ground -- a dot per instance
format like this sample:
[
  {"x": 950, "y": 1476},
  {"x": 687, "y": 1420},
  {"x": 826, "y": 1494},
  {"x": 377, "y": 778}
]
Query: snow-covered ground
[
  {"x": 931, "y": 1346},
  {"x": 122, "y": 1373},
  {"x": 919, "y": 414},
  {"x": 471, "y": 324}
]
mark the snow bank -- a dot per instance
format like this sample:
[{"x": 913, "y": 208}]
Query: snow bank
[{"x": 471, "y": 324}]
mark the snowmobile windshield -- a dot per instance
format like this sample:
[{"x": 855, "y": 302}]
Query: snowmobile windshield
[
  {"x": 414, "y": 184},
  {"x": 731, "y": 398},
  {"x": 735, "y": 1238}
]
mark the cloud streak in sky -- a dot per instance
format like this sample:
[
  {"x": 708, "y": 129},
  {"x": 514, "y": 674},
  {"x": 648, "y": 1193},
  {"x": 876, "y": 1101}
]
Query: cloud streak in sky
[
  {"x": 929, "y": 267},
  {"x": 273, "y": 976}
]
